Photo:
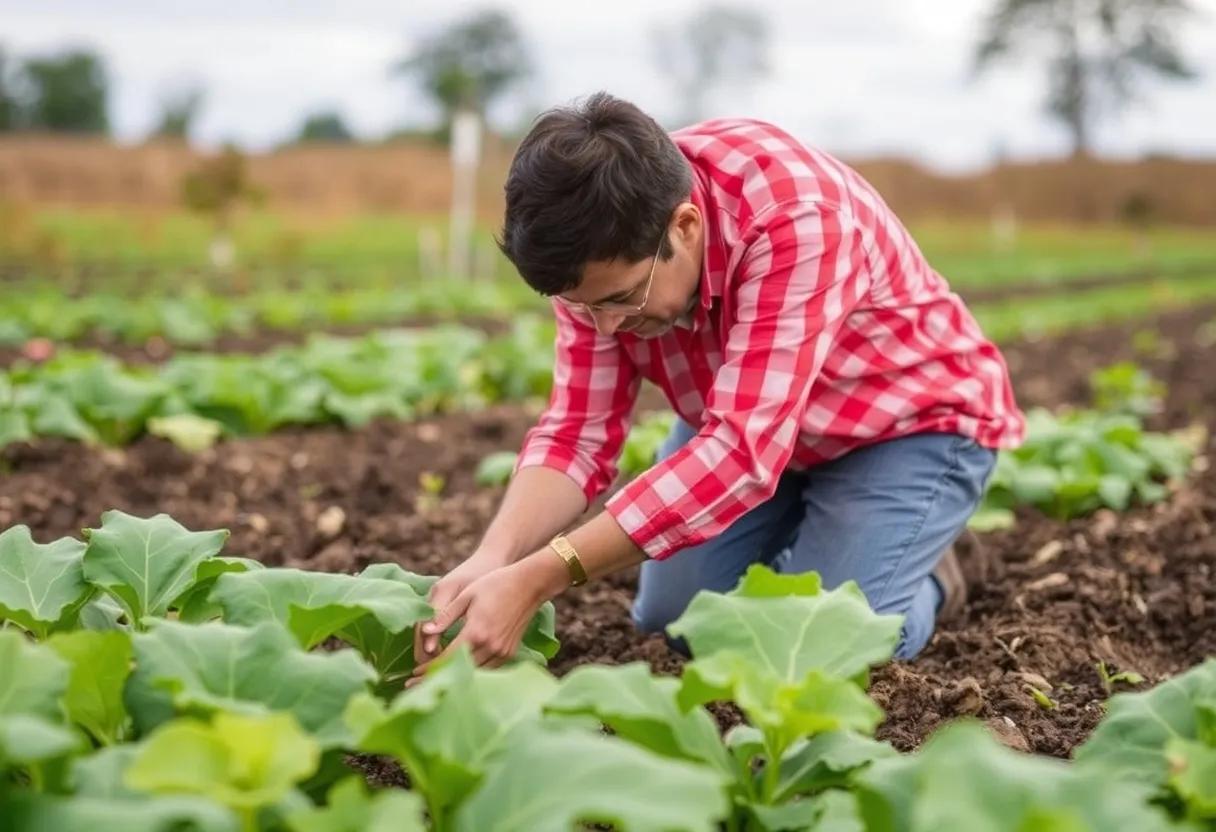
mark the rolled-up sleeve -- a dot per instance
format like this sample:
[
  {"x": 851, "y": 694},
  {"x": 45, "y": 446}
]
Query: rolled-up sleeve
[
  {"x": 800, "y": 274},
  {"x": 595, "y": 385}
]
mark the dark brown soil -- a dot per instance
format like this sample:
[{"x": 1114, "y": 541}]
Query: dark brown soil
[{"x": 1135, "y": 591}]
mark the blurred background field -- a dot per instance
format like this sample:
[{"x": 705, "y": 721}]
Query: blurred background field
[{"x": 248, "y": 276}]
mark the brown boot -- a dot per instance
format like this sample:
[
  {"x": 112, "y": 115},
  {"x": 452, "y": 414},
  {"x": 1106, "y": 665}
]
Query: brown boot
[
  {"x": 949, "y": 576},
  {"x": 955, "y": 576}
]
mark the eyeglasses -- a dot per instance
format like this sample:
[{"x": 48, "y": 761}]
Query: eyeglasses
[{"x": 618, "y": 307}]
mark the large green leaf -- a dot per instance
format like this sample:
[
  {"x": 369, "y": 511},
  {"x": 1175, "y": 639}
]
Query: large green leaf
[
  {"x": 195, "y": 605},
  {"x": 181, "y": 667},
  {"x": 642, "y": 708},
  {"x": 1130, "y": 741},
  {"x": 558, "y": 779},
  {"x": 240, "y": 761},
  {"x": 29, "y": 738},
  {"x": 964, "y": 779},
  {"x": 351, "y": 809},
  {"x": 827, "y": 760},
  {"x": 317, "y": 605},
  {"x": 1193, "y": 775},
  {"x": 32, "y": 684},
  {"x": 786, "y": 636},
  {"x": 446, "y": 730},
  {"x": 40, "y": 813},
  {"x": 101, "y": 663},
  {"x": 102, "y": 773},
  {"x": 788, "y": 660},
  {"x": 32, "y": 678},
  {"x": 146, "y": 564},
  {"x": 42, "y": 586}
]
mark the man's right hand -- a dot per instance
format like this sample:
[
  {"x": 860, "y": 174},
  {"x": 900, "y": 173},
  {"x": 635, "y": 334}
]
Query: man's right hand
[{"x": 445, "y": 590}]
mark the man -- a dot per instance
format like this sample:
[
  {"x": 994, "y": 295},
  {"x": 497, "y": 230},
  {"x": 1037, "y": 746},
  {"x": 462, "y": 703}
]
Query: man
[{"x": 839, "y": 407}]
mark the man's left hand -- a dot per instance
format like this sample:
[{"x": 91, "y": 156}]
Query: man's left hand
[{"x": 497, "y": 608}]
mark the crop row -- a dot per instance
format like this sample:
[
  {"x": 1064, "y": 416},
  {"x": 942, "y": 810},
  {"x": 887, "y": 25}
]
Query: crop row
[
  {"x": 193, "y": 399},
  {"x": 195, "y": 317},
  {"x": 148, "y": 682}
]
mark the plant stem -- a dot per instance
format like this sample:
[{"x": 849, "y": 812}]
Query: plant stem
[{"x": 774, "y": 751}]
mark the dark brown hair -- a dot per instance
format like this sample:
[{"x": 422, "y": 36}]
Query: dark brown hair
[{"x": 591, "y": 182}]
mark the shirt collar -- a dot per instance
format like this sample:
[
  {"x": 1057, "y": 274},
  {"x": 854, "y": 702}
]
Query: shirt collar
[{"x": 712, "y": 268}]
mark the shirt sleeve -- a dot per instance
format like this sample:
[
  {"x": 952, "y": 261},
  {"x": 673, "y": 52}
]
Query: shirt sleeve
[
  {"x": 595, "y": 385},
  {"x": 798, "y": 278}
]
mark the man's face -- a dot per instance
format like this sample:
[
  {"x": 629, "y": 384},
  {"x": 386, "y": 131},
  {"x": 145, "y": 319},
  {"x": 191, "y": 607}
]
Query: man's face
[{"x": 646, "y": 298}]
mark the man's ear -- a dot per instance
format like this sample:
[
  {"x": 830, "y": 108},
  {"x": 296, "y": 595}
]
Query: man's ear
[{"x": 687, "y": 221}]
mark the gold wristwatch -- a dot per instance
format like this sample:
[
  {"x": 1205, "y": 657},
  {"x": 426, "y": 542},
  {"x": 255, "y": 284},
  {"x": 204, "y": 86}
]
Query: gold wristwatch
[{"x": 560, "y": 545}]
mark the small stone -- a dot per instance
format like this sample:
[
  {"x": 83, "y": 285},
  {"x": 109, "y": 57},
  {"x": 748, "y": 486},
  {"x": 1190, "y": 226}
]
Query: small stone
[
  {"x": 428, "y": 432},
  {"x": 1055, "y": 579},
  {"x": 1105, "y": 521},
  {"x": 1008, "y": 733},
  {"x": 1048, "y": 552},
  {"x": 964, "y": 697},
  {"x": 257, "y": 522},
  {"x": 299, "y": 461},
  {"x": 1035, "y": 680},
  {"x": 240, "y": 463},
  {"x": 331, "y": 522}
]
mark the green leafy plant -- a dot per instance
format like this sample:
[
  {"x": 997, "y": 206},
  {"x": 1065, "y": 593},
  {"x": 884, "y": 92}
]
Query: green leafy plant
[
  {"x": 1164, "y": 738},
  {"x": 1073, "y": 464},
  {"x": 1109, "y": 680},
  {"x": 1126, "y": 388},
  {"x": 193, "y": 400}
]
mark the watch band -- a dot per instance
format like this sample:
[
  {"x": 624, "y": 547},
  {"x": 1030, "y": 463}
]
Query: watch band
[{"x": 565, "y": 551}]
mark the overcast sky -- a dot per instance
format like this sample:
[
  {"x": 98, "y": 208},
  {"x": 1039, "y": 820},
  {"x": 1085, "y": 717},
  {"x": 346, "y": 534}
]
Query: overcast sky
[{"x": 861, "y": 77}]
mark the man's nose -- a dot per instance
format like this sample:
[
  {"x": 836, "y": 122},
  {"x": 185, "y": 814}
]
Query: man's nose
[{"x": 606, "y": 323}]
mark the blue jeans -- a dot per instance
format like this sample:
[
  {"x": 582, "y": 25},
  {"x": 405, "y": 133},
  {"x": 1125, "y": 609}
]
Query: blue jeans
[{"x": 881, "y": 515}]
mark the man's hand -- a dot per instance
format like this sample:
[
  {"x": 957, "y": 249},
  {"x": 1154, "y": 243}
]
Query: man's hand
[
  {"x": 497, "y": 608},
  {"x": 444, "y": 591}
]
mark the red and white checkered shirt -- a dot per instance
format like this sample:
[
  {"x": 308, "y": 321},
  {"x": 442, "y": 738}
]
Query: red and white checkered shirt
[{"x": 820, "y": 329}]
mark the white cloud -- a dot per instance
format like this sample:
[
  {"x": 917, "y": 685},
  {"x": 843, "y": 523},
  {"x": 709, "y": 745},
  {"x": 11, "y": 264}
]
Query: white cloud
[{"x": 863, "y": 77}]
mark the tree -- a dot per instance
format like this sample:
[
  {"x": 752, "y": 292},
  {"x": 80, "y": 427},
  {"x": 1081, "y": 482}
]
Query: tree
[
  {"x": 67, "y": 92},
  {"x": 469, "y": 64},
  {"x": 720, "y": 44},
  {"x": 10, "y": 104},
  {"x": 178, "y": 111},
  {"x": 215, "y": 189},
  {"x": 325, "y": 127},
  {"x": 1094, "y": 50}
]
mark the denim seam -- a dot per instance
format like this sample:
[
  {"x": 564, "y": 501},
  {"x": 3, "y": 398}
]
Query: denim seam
[{"x": 906, "y": 546}]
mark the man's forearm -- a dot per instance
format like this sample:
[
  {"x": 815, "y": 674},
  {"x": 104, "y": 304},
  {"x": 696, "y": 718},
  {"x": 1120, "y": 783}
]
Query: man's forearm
[{"x": 539, "y": 503}]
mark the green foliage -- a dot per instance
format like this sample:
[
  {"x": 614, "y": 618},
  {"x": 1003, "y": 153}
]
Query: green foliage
[
  {"x": 1073, "y": 464},
  {"x": 146, "y": 564},
  {"x": 964, "y": 779},
  {"x": 349, "y": 808},
  {"x": 138, "y": 712},
  {"x": 1092, "y": 52},
  {"x": 664, "y": 794},
  {"x": 643, "y": 442},
  {"x": 242, "y": 762},
  {"x": 315, "y": 606},
  {"x": 471, "y": 63},
  {"x": 42, "y": 586},
  {"x": 100, "y": 664},
  {"x": 1164, "y": 738},
  {"x": 1126, "y": 388},
  {"x": 68, "y": 92},
  {"x": 92, "y": 398},
  {"x": 325, "y": 127}
]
